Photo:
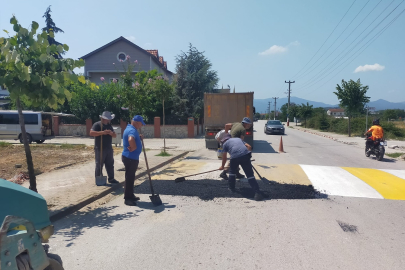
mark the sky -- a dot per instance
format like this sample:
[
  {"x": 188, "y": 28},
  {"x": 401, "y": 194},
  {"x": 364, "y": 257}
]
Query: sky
[{"x": 253, "y": 45}]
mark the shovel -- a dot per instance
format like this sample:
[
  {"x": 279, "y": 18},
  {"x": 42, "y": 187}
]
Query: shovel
[
  {"x": 101, "y": 180},
  {"x": 264, "y": 179},
  {"x": 183, "y": 178},
  {"x": 155, "y": 199}
]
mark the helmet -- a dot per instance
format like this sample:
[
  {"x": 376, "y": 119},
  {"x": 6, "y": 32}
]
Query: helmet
[{"x": 376, "y": 121}]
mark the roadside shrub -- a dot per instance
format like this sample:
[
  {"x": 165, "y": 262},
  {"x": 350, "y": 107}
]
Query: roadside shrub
[{"x": 358, "y": 126}]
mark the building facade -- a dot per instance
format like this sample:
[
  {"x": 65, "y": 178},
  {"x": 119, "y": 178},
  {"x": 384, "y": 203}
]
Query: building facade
[{"x": 110, "y": 61}]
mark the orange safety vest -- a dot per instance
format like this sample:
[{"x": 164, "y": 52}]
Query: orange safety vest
[{"x": 377, "y": 132}]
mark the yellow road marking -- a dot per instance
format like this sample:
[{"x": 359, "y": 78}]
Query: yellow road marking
[
  {"x": 283, "y": 173},
  {"x": 180, "y": 169},
  {"x": 388, "y": 185}
]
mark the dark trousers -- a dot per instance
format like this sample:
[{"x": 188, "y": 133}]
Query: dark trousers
[
  {"x": 107, "y": 159},
  {"x": 131, "y": 165},
  {"x": 246, "y": 164}
]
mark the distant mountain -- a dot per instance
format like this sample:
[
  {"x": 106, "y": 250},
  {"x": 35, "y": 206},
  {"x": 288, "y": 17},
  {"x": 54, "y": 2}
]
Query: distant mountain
[
  {"x": 262, "y": 104},
  {"x": 381, "y": 104}
]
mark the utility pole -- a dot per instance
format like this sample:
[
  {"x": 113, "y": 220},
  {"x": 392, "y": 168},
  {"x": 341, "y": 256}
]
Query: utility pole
[
  {"x": 289, "y": 93},
  {"x": 268, "y": 108},
  {"x": 275, "y": 104}
]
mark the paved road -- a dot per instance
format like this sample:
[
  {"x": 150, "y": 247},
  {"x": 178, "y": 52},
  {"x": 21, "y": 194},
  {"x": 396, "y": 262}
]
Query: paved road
[{"x": 204, "y": 226}]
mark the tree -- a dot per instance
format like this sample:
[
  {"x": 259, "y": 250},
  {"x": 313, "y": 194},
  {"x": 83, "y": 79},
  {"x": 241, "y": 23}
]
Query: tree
[
  {"x": 194, "y": 78},
  {"x": 305, "y": 111},
  {"x": 51, "y": 27},
  {"x": 28, "y": 69},
  {"x": 390, "y": 114},
  {"x": 352, "y": 98},
  {"x": 164, "y": 91}
]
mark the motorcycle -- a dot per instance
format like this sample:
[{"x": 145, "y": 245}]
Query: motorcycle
[{"x": 377, "y": 147}]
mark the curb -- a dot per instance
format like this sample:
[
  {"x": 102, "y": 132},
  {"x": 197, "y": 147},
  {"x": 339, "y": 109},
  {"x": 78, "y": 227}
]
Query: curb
[{"x": 74, "y": 207}]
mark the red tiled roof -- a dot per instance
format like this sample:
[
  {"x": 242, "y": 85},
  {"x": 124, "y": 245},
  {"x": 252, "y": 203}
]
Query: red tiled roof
[
  {"x": 336, "y": 110},
  {"x": 161, "y": 59},
  {"x": 153, "y": 52},
  {"x": 165, "y": 64}
]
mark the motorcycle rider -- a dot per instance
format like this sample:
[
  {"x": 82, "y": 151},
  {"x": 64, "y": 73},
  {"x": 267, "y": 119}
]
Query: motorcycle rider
[{"x": 377, "y": 132}]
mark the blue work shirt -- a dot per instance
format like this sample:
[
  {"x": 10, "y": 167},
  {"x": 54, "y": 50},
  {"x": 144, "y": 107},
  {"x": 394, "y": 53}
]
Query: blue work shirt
[
  {"x": 131, "y": 131},
  {"x": 235, "y": 147}
]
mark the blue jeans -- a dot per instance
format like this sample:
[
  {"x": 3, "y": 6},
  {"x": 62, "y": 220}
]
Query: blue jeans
[{"x": 246, "y": 164}]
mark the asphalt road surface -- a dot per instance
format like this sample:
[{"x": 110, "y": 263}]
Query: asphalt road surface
[{"x": 204, "y": 226}]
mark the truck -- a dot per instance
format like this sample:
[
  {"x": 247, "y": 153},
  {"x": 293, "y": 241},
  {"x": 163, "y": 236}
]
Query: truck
[{"x": 223, "y": 108}]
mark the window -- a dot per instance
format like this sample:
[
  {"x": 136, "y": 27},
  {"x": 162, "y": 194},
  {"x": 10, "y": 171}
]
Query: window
[
  {"x": 9, "y": 119},
  {"x": 31, "y": 119},
  {"x": 122, "y": 57},
  {"x": 12, "y": 119}
]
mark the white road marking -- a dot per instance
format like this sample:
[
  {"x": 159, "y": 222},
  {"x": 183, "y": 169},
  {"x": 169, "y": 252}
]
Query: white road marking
[
  {"x": 337, "y": 181},
  {"x": 397, "y": 173}
]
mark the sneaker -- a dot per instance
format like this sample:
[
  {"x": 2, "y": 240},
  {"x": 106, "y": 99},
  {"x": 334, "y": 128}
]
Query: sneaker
[
  {"x": 130, "y": 202},
  {"x": 258, "y": 196},
  {"x": 223, "y": 175},
  {"x": 113, "y": 181},
  {"x": 136, "y": 198},
  {"x": 239, "y": 175}
]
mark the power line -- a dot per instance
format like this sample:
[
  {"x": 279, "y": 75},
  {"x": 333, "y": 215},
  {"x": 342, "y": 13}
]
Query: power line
[
  {"x": 333, "y": 62},
  {"x": 325, "y": 39},
  {"x": 370, "y": 42},
  {"x": 334, "y": 42},
  {"x": 315, "y": 79}
]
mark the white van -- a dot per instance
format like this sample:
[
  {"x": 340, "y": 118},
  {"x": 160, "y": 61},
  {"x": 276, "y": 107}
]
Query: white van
[{"x": 37, "y": 124}]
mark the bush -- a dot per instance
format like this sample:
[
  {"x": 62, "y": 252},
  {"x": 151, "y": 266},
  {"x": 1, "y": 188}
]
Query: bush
[{"x": 358, "y": 126}]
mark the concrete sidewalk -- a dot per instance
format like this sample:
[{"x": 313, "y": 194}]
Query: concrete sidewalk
[
  {"x": 355, "y": 141},
  {"x": 184, "y": 144},
  {"x": 69, "y": 189}
]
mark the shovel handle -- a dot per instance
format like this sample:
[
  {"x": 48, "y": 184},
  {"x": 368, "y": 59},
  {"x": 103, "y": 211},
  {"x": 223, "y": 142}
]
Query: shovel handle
[
  {"x": 257, "y": 172},
  {"x": 147, "y": 167},
  {"x": 200, "y": 173}
]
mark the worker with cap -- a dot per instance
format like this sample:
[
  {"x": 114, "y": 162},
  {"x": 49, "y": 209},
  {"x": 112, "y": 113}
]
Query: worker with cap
[
  {"x": 130, "y": 157},
  {"x": 237, "y": 130},
  {"x": 105, "y": 133},
  {"x": 239, "y": 155}
]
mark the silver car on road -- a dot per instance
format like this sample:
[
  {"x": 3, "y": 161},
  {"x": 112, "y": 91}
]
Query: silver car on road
[{"x": 274, "y": 127}]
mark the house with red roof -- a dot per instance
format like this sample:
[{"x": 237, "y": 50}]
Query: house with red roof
[{"x": 110, "y": 60}]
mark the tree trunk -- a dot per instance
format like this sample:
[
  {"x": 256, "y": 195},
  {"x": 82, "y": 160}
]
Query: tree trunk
[
  {"x": 30, "y": 164},
  {"x": 164, "y": 131},
  {"x": 349, "y": 126}
]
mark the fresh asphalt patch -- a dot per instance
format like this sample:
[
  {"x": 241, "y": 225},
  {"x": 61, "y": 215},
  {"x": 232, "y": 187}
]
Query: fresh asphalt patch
[{"x": 209, "y": 189}]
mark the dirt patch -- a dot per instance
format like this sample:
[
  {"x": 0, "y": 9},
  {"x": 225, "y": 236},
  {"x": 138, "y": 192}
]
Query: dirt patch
[{"x": 46, "y": 157}]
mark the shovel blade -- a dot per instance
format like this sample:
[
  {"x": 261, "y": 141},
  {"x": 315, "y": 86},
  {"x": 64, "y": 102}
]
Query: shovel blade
[
  {"x": 101, "y": 180},
  {"x": 179, "y": 179},
  {"x": 155, "y": 199}
]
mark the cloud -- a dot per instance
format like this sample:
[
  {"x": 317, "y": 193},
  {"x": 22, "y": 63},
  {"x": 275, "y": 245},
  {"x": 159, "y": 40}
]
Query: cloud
[
  {"x": 295, "y": 43},
  {"x": 375, "y": 67},
  {"x": 276, "y": 49},
  {"x": 130, "y": 38}
]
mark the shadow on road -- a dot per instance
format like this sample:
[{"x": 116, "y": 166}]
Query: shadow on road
[
  {"x": 102, "y": 217},
  {"x": 260, "y": 146},
  {"x": 208, "y": 189}
]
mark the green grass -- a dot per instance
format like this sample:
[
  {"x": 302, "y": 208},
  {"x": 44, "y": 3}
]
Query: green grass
[
  {"x": 4, "y": 144},
  {"x": 163, "y": 154},
  {"x": 394, "y": 155}
]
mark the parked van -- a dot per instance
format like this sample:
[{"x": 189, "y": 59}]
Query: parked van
[{"x": 37, "y": 124}]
